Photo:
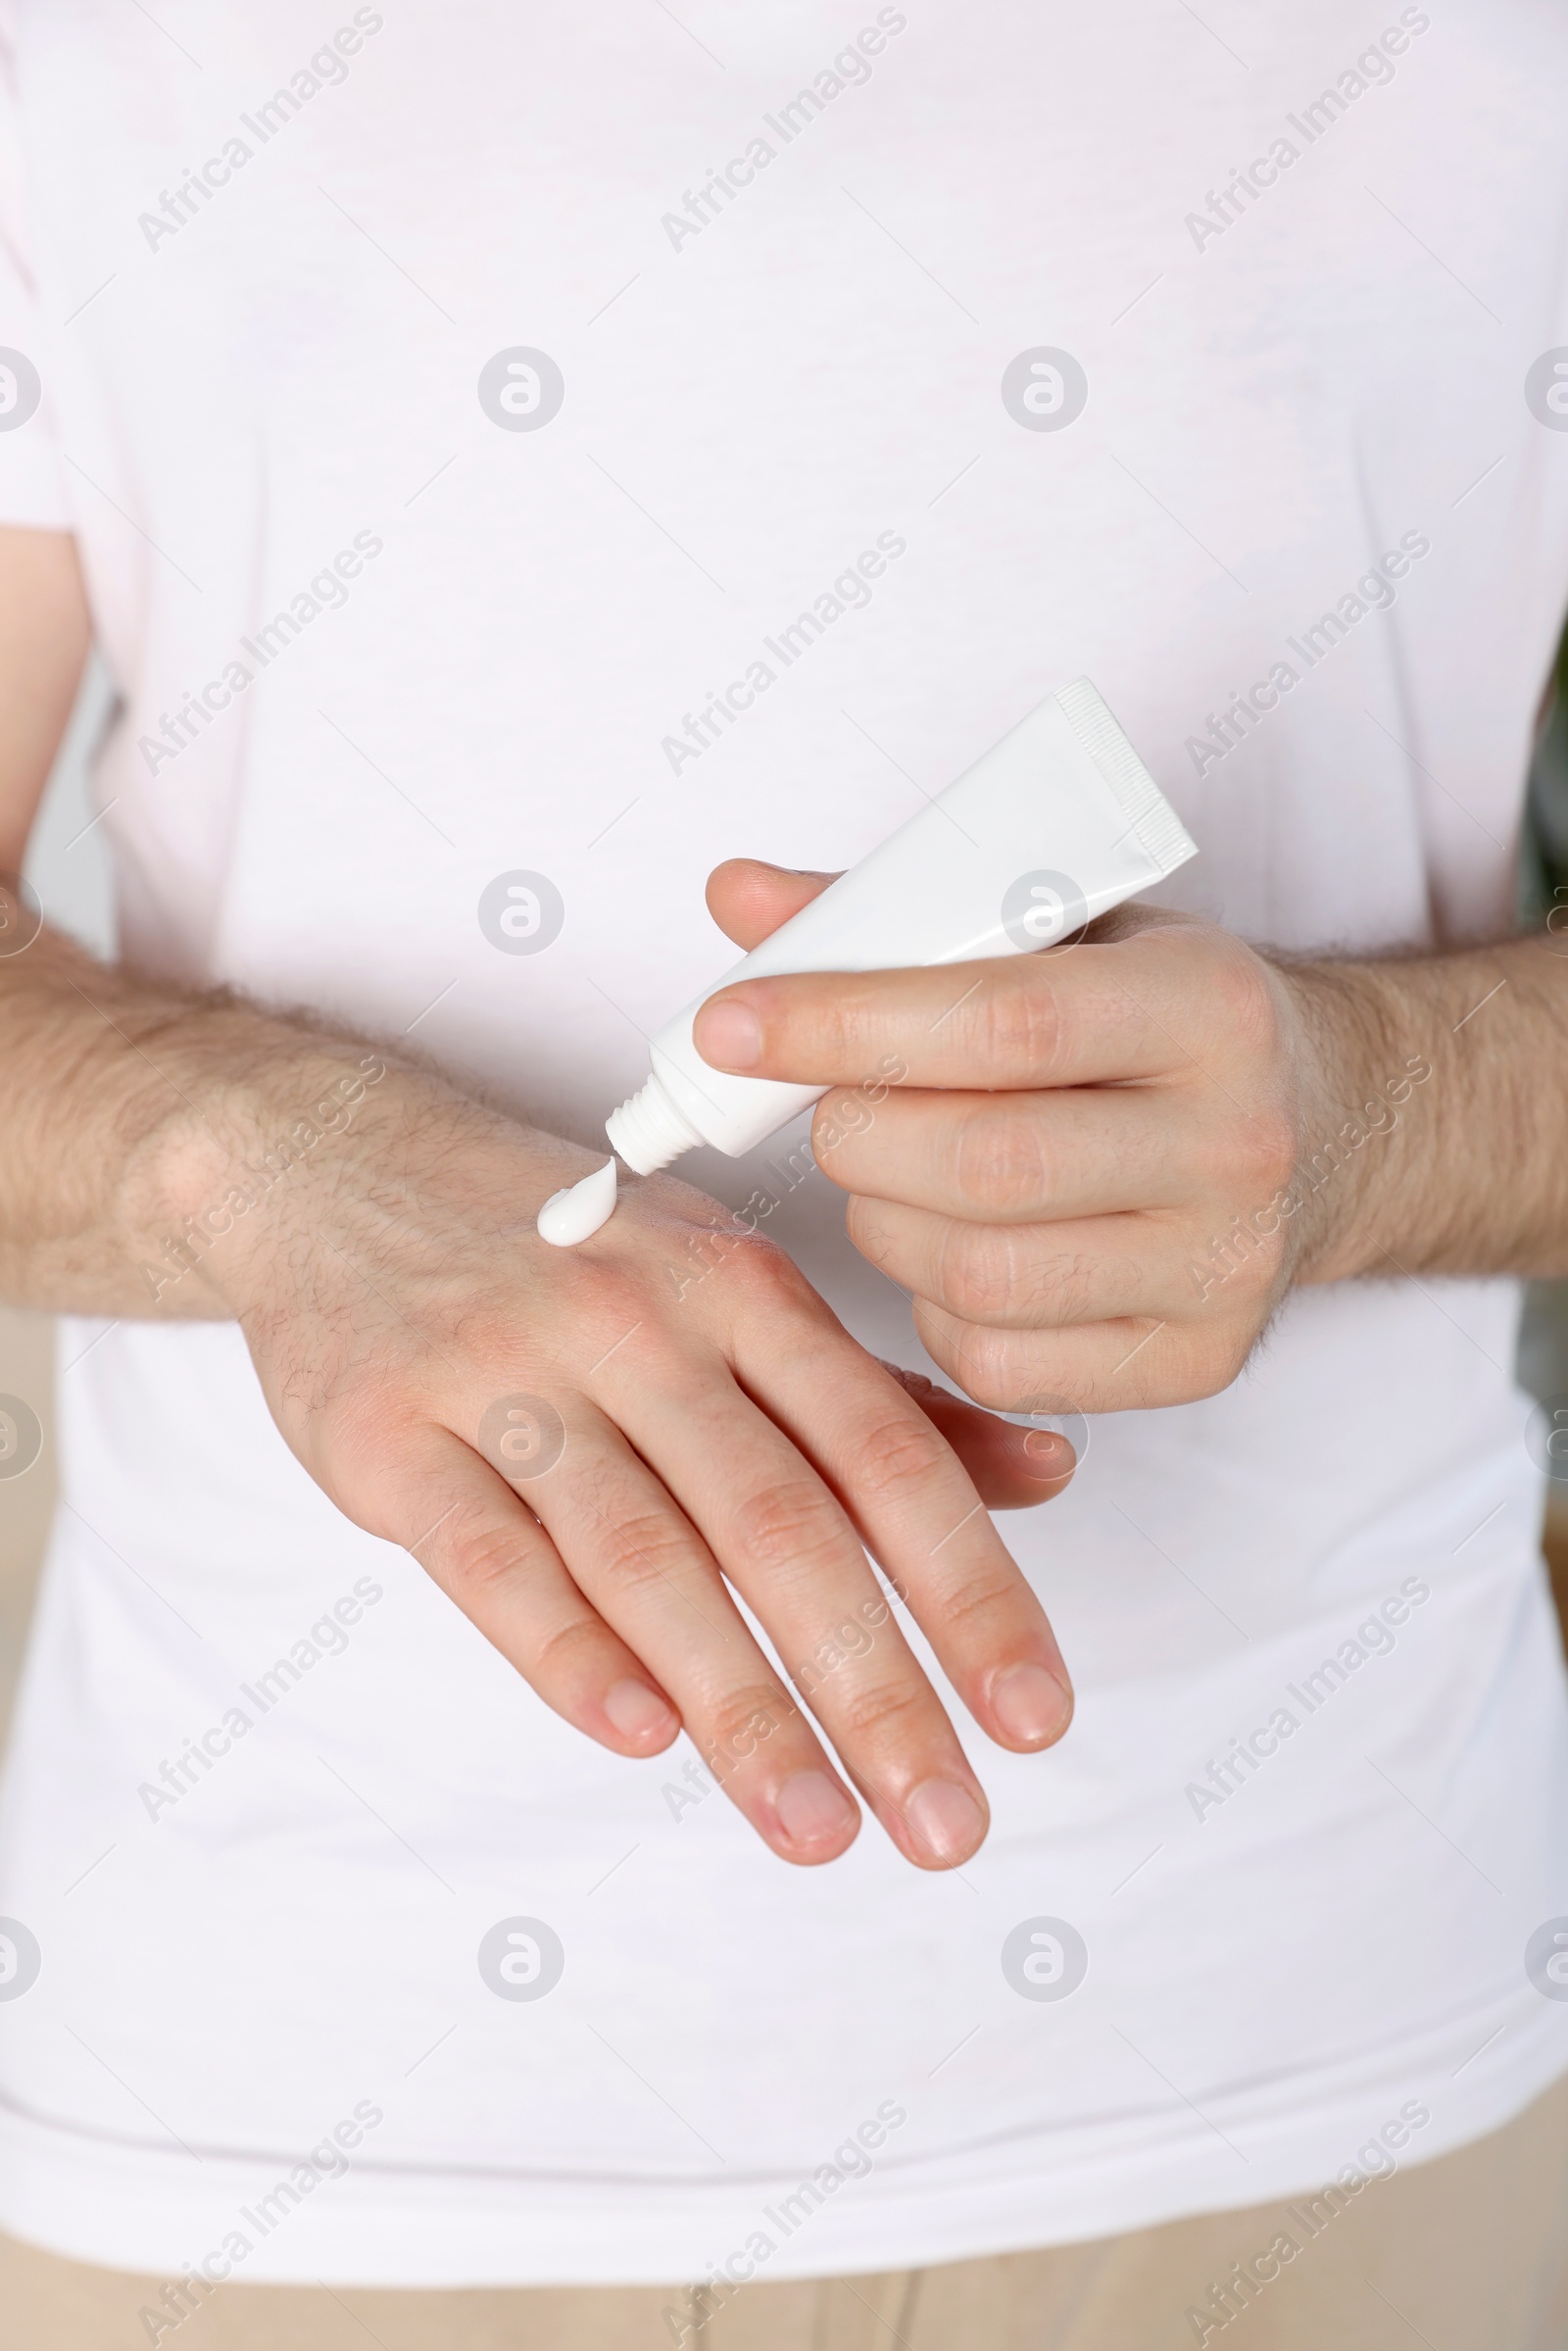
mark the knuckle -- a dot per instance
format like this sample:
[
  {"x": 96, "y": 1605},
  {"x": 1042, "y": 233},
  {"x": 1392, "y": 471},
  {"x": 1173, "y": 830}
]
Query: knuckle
[
  {"x": 1241, "y": 992},
  {"x": 741, "y": 1719},
  {"x": 768, "y": 1262},
  {"x": 567, "y": 1653},
  {"x": 788, "y": 1524},
  {"x": 484, "y": 1552},
  {"x": 1004, "y": 1163},
  {"x": 1263, "y": 1152},
  {"x": 978, "y": 1271},
  {"x": 641, "y": 1548},
  {"x": 482, "y": 1327},
  {"x": 1075, "y": 1287},
  {"x": 885, "y": 1713},
  {"x": 479, "y": 1327},
  {"x": 1016, "y": 1021},
  {"x": 1012, "y": 1274},
  {"x": 1247, "y": 1262},
  {"x": 987, "y": 1367},
  {"x": 893, "y": 1453},
  {"x": 975, "y": 1605},
  {"x": 771, "y": 1270}
]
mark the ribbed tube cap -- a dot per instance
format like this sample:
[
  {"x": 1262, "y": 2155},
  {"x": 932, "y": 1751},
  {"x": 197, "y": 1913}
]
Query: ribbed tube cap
[{"x": 649, "y": 1131}]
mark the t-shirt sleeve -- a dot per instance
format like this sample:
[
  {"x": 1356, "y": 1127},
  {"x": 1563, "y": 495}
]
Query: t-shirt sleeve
[{"x": 33, "y": 487}]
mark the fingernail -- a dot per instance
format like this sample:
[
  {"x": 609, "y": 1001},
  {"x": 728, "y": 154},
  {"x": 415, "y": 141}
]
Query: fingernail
[
  {"x": 728, "y": 1035},
  {"x": 1030, "y": 1704},
  {"x": 635, "y": 1710},
  {"x": 813, "y": 1808},
  {"x": 945, "y": 1818}
]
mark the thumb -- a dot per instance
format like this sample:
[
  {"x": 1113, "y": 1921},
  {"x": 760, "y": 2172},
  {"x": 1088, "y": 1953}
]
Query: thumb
[{"x": 748, "y": 899}]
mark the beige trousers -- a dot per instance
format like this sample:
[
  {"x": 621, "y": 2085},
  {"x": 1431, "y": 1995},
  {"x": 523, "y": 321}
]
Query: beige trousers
[{"x": 1468, "y": 2253}]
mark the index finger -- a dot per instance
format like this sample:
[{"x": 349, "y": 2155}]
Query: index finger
[{"x": 1065, "y": 1017}]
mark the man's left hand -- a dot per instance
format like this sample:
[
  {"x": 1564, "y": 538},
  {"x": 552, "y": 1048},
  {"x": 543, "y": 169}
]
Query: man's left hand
[{"x": 1081, "y": 1165}]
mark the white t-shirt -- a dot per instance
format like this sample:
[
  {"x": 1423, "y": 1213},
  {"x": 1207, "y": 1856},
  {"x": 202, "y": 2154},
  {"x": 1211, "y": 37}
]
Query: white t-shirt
[{"x": 272, "y": 267}]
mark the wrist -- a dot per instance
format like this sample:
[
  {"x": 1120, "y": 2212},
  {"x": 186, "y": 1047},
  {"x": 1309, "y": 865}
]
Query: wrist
[
  {"x": 1357, "y": 1068},
  {"x": 219, "y": 1184}
]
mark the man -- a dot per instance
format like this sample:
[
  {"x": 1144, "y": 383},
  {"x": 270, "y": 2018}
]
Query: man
[{"x": 467, "y": 434}]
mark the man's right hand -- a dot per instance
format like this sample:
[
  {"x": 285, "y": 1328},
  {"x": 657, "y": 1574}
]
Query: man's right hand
[{"x": 587, "y": 1448}]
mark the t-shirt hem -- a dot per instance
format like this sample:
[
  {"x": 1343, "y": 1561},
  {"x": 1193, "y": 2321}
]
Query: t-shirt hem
[{"x": 92, "y": 2203}]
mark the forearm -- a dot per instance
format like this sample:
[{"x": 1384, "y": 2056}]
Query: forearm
[
  {"x": 143, "y": 1123},
  {"x": 1434, "y": 1128}
]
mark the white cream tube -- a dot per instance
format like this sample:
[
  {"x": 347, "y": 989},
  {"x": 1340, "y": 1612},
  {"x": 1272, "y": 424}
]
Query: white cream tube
[{"x": 1055, "y": 824}]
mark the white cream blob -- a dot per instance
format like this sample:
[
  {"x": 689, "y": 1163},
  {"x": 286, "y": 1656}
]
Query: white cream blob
[{"x": 577, "y": 1213}]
